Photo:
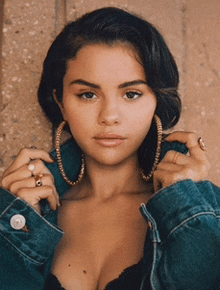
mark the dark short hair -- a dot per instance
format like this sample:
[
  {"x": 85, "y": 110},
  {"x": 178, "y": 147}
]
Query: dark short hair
[{"x": 112, "y": 25}]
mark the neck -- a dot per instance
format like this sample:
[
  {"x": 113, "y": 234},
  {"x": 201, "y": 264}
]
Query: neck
[{"x": 105, "y": 181}]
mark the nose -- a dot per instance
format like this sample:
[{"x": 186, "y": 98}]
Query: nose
[{"x": 109, "y": 112}]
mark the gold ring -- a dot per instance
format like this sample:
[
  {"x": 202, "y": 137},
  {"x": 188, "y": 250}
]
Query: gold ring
[
  {"x": 175, "y": 157},
  {"x": 38, "y": 181},
  {"x": 202, "y": 144}
]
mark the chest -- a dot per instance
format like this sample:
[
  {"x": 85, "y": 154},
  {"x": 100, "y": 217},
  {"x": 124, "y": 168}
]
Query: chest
[{"x": 100, "y": 241}]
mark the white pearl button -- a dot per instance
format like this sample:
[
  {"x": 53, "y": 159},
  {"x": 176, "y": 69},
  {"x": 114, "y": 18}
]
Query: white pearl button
[{"x": 17, "y": 221}]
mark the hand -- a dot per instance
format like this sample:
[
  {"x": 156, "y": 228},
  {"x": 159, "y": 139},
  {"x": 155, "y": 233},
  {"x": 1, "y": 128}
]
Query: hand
[
  {"x": 20, "y": 180},
  {"x": 176, "y": 166}
]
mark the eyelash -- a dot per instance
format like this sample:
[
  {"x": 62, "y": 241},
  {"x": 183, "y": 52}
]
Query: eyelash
[
  {"x": 83, "y": 95},
  {"x": 87, "y": 95},
  {"x": 133, "y": 93}
]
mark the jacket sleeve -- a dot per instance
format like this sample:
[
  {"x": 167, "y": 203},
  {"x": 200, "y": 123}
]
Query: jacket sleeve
[
  {"x": 24, "y": 252},
  {"x": 185, "y": 231}
]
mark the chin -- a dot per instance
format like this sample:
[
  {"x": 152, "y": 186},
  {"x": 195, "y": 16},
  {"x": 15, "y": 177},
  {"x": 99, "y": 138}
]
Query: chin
[{"x": 113, "y": 159}]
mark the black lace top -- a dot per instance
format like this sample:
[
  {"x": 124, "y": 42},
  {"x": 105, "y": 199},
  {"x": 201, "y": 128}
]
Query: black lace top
[{"x": 129, "y": 279}]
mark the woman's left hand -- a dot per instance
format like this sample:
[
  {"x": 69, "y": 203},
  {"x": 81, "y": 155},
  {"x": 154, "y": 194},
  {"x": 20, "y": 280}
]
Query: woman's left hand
[{"x": 176, "y": 166}]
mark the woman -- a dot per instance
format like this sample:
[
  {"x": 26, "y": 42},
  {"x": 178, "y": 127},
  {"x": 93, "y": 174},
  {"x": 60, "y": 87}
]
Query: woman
[{"x": 111, "y": 78}]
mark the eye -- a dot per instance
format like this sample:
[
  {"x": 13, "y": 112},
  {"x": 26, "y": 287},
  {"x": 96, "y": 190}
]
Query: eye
[
  {"x": 87, "y": 96},
  {"x": 132, "y": 95}
]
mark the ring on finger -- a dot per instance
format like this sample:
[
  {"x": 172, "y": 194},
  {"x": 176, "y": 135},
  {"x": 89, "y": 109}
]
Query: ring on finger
[
  {"x": 175, "y": 157},
  {"x": 31, "y": 167},
  {"x": 202, "y": 144},
  {"x": 38, "y": 180}
]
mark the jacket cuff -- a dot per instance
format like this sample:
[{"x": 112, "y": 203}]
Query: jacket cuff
[
  {"x": 177, "y": 204},
  {"x": 38, "y": 239}
]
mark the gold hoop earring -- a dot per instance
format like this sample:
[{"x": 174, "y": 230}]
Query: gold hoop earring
[
  {"x": 59, "y": 157},
  {"x": 158, "y": 151}
]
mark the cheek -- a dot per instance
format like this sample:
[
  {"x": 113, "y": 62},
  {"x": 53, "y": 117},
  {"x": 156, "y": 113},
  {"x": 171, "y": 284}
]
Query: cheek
[
  {"x": 141, "y": 128},
  {"x": 142, "y": 122},
  {"x": 80, "y": 123},
  {"x": 141, "y": 117}
]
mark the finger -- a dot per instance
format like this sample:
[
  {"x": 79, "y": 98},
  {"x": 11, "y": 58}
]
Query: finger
[
  {"x": 191, "y": 141},
  {"x": 25, "y": 156},
  {"x": 23, "y": 173},
  {"x": 200, "y": 166},
  {"x": 33, "y": 196},
  {"x": 175, "y": 157},
  {"x": 46, "y": 179},
  {"x": 23, "y": 183},
  {"x": 168, "y": 166},
  {"x": 36, "y": 167},
  {"x": 163, "y": 178}
]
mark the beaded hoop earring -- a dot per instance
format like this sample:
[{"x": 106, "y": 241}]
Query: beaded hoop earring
[
  {"x": 59, "y": 157},
  {"x": 158, "y": 151},
  {"x": 82, "y": 171}
]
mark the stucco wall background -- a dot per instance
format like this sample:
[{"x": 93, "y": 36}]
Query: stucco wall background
[{"x": 190, "y": 27}]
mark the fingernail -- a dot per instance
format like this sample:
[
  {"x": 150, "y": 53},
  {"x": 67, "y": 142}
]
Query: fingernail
[
  {"x": 165, "y": 136},
  {"x": 53, "y": 158},
  {"x": 58, "y": 205}
]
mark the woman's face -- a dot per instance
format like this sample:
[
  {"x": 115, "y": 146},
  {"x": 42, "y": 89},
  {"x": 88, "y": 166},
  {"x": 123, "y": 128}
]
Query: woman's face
[{"x": 107, "y": 102}]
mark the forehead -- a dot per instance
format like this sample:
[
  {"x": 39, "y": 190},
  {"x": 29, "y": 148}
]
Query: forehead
[{"x": 102, "y": 61}]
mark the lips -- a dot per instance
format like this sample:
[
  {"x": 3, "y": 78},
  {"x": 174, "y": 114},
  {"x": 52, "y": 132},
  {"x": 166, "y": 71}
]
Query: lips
[
  {"x": 109, "y": 139},
  {"x": 109, "y": 136}
]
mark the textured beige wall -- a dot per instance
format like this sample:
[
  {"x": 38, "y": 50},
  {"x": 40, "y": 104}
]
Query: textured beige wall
[
  {"x": 27, "y": 33},
  {"x": 191, "y": 28},
  {"x": 202, "y": 76}
]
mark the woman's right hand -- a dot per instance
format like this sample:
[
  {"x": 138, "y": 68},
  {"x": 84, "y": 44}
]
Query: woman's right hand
[{"x": 20, "y": 178}]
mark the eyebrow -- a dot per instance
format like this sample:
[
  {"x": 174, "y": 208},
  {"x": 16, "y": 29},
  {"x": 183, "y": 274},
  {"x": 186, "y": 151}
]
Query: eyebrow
[
  {"x": 85, "y": 83},
  {"x": 132, "y": 83},
  {"x": 95, "y": 86}
]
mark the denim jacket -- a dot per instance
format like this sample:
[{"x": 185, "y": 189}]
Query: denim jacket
[{"x": 183, "y": 239}]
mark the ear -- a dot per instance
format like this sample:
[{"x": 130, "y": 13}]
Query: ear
[{"x": 60, "y": 104}]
